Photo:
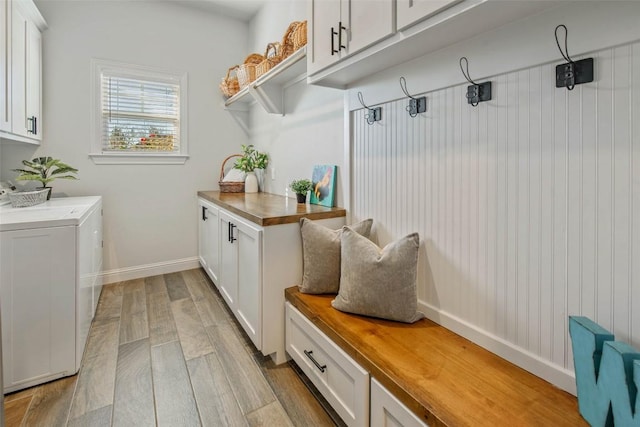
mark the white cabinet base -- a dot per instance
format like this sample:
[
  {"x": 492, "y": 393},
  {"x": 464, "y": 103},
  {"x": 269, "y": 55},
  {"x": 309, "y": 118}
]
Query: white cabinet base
[
  {"x": 339, "y": 378},
  {"x": 388, "y": 411}
]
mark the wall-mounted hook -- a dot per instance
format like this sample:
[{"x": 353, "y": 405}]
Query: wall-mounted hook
[
  {"x": 573, "y": 72},
  {"x": 477, "y": 92},
  {"x": 416, "y": 105},
  {"x": 374, "y": 114}
]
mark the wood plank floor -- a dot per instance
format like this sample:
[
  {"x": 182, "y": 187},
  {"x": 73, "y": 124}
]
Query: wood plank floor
[{"x": 167, "y": 351}]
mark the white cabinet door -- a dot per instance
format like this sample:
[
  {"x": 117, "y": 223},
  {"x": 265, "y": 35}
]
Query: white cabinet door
[
  {"x": 241, "y": 272},
  {"x": 228, "y": 261},
  {"x": 341, "y": 28},
  {"x": 5, "y": 66},
  {"x": 248, "y": 307},
  {"x": 388, "y": 411},
  {"x": 26, "y": 79},
  {"x": 369, "y": 22},
  {"x": 324, "y": 34},
  {"x": 412, "y": 11},
  {"x": 37, "y": 288},
  {"x": 209, "y": 239},
  {"x": 33, "y": 89}
]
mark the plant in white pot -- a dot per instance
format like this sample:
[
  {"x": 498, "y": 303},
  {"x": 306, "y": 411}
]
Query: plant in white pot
[
  {"x": 45, "y": 170},
  {"x": 301, "y": 187},
  {"x": 253, "y": 163}
]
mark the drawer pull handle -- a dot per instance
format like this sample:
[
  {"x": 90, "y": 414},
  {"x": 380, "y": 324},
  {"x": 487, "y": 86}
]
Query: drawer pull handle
[{"x": 309, "y": 353}]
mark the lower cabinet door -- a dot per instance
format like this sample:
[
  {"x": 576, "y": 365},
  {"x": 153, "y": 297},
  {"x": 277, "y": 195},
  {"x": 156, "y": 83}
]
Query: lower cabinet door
[
  {"x": 37, "y": 294},
  {"x": 249, "y": 296},
  {"x": 228, "y": 261},
  {"x": 337, "y": 376},
  {"x": 388, "y": 411}
]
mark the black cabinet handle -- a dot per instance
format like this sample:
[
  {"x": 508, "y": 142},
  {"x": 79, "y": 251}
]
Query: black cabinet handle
[
  {"x": 34, "y": 125},
  {"x": 231, "y": 237},
  {"x": 204, "y": 213},
  {"x": 340, "y": 30},
  {"x": 333, "y": 41},
  {"x": 309, "y": 354}
]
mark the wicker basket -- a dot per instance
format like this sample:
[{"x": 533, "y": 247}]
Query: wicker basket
[
  {"x": 272, "y": 57},
  {"x": 287, "y": 40},
  {"x": 229, "y": 85},
  {"x": 23, "y": 199},
  {"x": 247, "y": 71},
  {"x": 230, "y": 186},
  {"x": 300, "y": 36}
]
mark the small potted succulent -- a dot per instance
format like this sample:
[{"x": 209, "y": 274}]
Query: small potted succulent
[
  {"x": 301, "y": 187},
  {"x": 45, "y": 170}
]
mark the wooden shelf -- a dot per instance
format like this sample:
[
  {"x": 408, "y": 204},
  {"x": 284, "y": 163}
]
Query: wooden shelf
[{"x": 267, "y": 89}]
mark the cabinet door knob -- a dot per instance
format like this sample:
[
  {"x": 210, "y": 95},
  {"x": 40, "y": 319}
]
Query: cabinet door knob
[{"x": 204, "y": 213}]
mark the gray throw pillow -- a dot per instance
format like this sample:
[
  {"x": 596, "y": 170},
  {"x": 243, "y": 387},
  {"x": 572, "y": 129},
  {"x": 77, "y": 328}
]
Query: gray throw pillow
[
  {"x": 379, "y": 282},
  {"x": 321, "y": 255}
]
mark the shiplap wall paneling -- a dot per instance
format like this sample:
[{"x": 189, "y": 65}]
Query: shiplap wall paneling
[{"x": 527, "y": 205}]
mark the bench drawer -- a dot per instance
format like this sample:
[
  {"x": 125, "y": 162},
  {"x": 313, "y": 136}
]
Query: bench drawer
[
  {"x": 388, "y": 411},
  {"x": 339, "y": 378}
]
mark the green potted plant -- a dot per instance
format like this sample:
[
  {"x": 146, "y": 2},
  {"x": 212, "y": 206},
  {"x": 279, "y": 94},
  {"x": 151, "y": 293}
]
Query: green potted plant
[
  {"x": 45, "y": 170},
  {"x": 253, "y": 163},
  {"x": 301, "y": 187}
]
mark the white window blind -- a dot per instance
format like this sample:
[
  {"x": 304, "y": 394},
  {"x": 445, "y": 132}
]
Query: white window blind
[{"x": 139, "y": 114}]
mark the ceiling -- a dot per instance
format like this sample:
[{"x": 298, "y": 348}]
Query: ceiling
[{"x": 242, "y": 10}]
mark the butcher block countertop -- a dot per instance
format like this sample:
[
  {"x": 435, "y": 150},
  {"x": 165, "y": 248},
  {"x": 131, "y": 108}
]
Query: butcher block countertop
[
  {"x": 445, "y": 379},
  {"x": 269, "y": 209}
]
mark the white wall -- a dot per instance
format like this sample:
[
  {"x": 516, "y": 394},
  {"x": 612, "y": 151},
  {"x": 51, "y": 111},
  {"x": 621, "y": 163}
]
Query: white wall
[
  {"x": 311, "y": 130},
  {"x": 527, "y": 205},
  {"x": 150, "y": 214}
]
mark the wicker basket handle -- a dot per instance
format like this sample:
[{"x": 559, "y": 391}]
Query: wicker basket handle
[
  {"x": 235, "y": 67},
  {"x": 225, "y": 162},
  {"x": 275, "y": 47}
]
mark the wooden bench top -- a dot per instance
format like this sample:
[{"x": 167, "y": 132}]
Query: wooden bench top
[{"x": 443, "y": 378}]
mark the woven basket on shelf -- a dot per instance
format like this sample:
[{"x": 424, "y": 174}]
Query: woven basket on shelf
[
  {"x": 300, "y": 36},
  {"x": 247, "y": 71},
  {"x": 23, "y": 199},
  {"x": 287, "y": 40},
  {"x": 272, "y": 57},
  {"x": 230, "y": 186},
  {"x": 229, "y": 85}
]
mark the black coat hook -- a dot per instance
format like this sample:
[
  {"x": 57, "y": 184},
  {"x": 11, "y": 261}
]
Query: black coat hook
[
  {"x": 374, "y": 114},
  {"x": 416, "y": 105},
  {"x": 477, "y": 92},
  {"x": 573, "y": 72}
]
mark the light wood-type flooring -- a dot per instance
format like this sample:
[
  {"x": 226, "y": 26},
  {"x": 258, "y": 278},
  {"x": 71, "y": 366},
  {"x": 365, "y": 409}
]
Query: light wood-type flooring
[{"x": 166, "y": 351}]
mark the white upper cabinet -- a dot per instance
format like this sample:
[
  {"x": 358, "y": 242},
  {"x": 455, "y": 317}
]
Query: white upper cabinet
[
  {"x": 384, "y": 33},
  {"x": 411, "y": 11},
  {"x": 21, "y": 85},
  {"x": 341, "y": 28},
  {"x": 5, "y": 72}
]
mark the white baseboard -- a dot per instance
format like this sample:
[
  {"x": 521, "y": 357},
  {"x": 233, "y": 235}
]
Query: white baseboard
[
  {"x": 556, "y": 375},
  {"x": 141, "y": 271}
]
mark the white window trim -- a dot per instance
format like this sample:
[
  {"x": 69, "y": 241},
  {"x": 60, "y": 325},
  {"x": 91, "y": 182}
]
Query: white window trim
[{"x": 100, "y": 157}]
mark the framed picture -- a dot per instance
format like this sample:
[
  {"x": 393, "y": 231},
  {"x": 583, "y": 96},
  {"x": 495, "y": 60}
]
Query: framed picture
[{"x": 323, "y": 190}]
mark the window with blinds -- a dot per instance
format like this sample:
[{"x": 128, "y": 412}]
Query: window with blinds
[{"x": 139, "y": 112}]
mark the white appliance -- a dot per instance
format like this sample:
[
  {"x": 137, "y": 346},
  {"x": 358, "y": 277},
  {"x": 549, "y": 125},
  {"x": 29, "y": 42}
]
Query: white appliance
[{"x": 50, "y": 260}]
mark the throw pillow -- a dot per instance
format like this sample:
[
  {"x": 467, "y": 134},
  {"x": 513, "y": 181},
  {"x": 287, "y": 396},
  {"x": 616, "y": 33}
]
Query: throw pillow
[
  {"x": 321, "y": 255},
  {"x": 379, "y": 282}
]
